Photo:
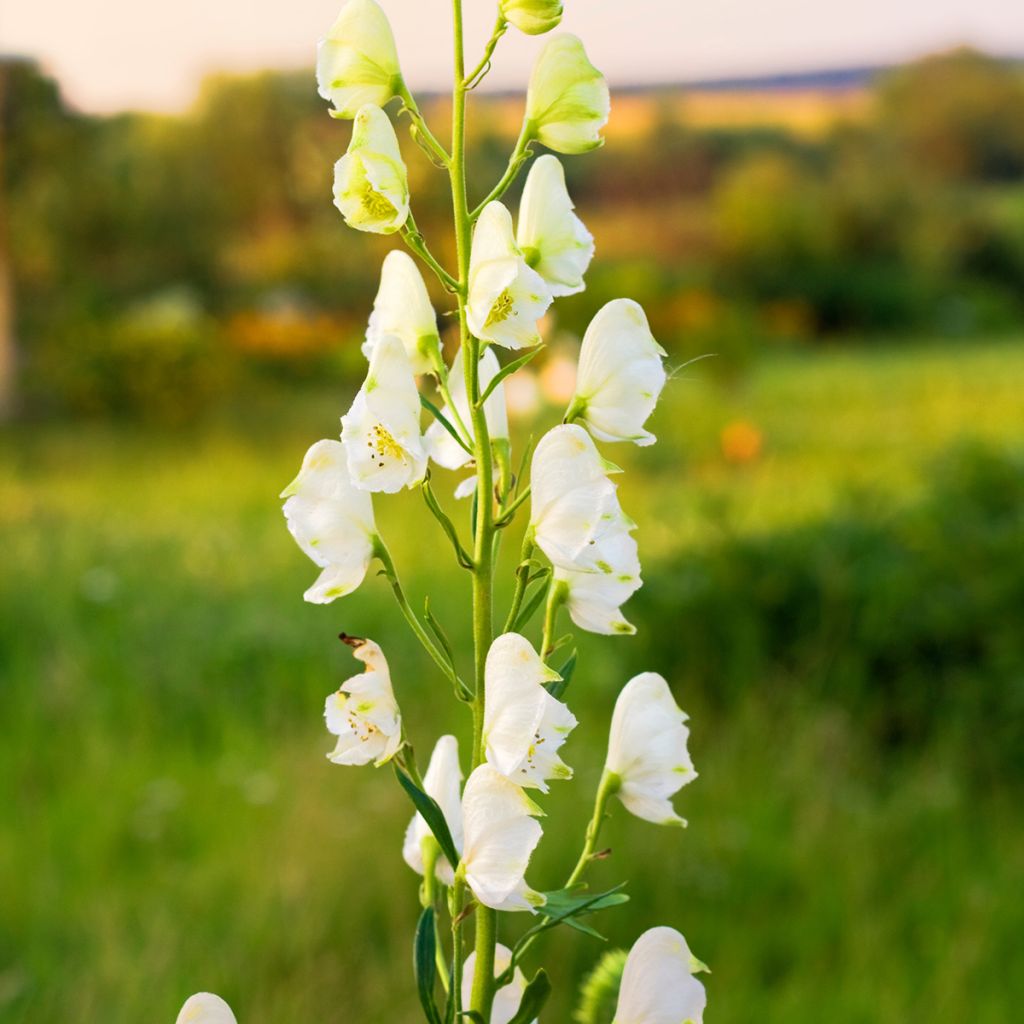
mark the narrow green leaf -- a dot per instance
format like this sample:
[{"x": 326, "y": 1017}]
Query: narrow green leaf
[
  {"x": 431, "y": 814},
  {"x": 526, "y": 613},
  {"x": 425, "y": 964},
  {"x": 535, "y": 995},
  {"x": 443, "y": 420},
  {"x": 557, "y": 688},
  {"x": 507, "y": 370}
]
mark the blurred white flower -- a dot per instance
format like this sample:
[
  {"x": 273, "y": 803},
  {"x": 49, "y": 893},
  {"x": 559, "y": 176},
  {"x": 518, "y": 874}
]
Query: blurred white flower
[
  {"x": 357, "y": 62},
  {"x": 658, "y": 986},
  {"x": 620, "y": 374},
  {"x": 331, "y": 520},
  {"x": 500, "y": 834},
  {"x": 522, "y": 394},
  {"x": 507, "y": 998},
  {"x": 524, "y": 726},
  {"x": 442, "y": 781},
  {"x": 534, "y": 17},
  {"x": 205, "y": 1008},
  {"x": 370, "y": 184},
  {"x": 552, "y": 238},
  {"x": 574, "y": 506},
  {"x": 363, "y": 713},
  {"x": 506, "y": 297},
  {"x": 567, "y": 102},
  {"x": 381, "y": 430},
  {"x": 647, "y": 754},
  {"x": 402, "y": 308},
  {"x": 558, "y": 378},
  {"x": 595, "y": 599}
]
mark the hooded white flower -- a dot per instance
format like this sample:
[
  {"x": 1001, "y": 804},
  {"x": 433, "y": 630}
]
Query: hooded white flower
[
  {"x": 524, "y": 726},
  {"x": 206, "y": 1008},
  {"x": 574, "y": 507},
  {"x": 363, "y": 713},
  {"x": 595, "y": 599},
  {"x": 402, "y": 308},
  {"x": 506, "y": 297},
  {"x": 658, "y": 986},
  {"x": 370, "y": 184},
  {"x": 506, "y": 999},
  {"x": 331, "y": 520},
  {"x": 567, "y": 102},
  {"x": 534, "y": 17},
  {"x": 647, "y": 749},
  {"x": 442, "y": 781},
  {"x": 381, "y": 431},
  {"x": 552, "y": 238},
  {"x": 440, "y": 445},
  {"x": 357, "y": 63},
  {"x": 620, "y": 375},
  {"x": 499, "y": 833}
]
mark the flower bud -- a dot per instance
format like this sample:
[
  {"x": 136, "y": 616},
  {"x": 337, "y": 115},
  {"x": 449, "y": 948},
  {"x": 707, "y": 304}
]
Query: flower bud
[
  {"x": 506, "y": 998},
  {"x": 370, "y": 184},
  {"x": 402, "y": 308},
  {"x": 442, "y": 781},
  {"x": 357, "y": 62},
  {"x": 205, "y": 1008},
  {"x": 567, "y": 102},
  {"x": 658, "y": 985},
  {"x": 534, "y": 17}
]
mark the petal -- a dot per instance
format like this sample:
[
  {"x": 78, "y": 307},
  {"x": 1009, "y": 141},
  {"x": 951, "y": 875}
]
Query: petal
[
  {"x": 507, "y": 998},
  {"x": 402, "y": 308},
  {"x": 205, "y": 1008},
  {"x": 658, "y": 986}
]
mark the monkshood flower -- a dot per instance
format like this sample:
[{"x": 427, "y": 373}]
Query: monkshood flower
[
  {"x": 524, "y": 726},
  {"x": 552, "y": 238},
  {"x": 205, "y": 1008},
  {"x": 499, "y": 834},
  {"x": 595, "y": 599},
  {"x": 443, "y": 782},
  {"x": 620, "y": 374},
  {"x": 507, "y": 998},
  {"x": 331, "y": 520},
  {"x": 370, "y": 184},
  {"x": 534, "y": 17},
  {"x": 402, "y": 308},
  {"x": 647, "y": 757},
  {"x": 381, "y": 430},
  {"x": 658, "y": 986},
  {"x": 439, "y": 444},
  {"x": 506, "y": 297},
  {"x": 357, "y": 63},
  {"x": 567, "y": 102},
  {"x": 574, "y": 506},
  {"x": 363, "y": 713}
]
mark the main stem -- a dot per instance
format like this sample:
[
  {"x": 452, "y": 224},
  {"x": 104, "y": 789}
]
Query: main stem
[{"x": 483, "y": 570}]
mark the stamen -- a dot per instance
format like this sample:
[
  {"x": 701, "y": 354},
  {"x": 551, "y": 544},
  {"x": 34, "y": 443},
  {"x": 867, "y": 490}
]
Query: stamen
[{"x": 501, "y": 310}]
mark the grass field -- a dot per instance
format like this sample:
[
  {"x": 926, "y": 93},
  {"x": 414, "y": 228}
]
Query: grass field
[{"x": 168, "y": 821}]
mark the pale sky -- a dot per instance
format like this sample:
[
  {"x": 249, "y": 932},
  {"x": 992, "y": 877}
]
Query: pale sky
[{"x": 118, "y": 54}]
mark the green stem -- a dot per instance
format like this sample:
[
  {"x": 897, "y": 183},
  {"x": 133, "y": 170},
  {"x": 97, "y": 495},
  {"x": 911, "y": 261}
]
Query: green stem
[
  {"x": 608, "y": 785},
  {"x": 557, "y": 594},
  {"x": 515, "y": 162},
  {"x": 416, "y": 242},
  {"x": 473, "y": 79},
  {"x": 522, "y": 575},
  {"x": 410, "y": 106},
  {"x": 431, "y": 855}
]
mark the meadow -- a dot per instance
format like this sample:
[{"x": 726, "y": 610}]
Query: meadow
[{"x": 168, "y": 821}]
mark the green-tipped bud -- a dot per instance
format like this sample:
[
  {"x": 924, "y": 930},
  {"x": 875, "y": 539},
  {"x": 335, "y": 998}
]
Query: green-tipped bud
[
  {"x": 534, "y": 17},
  {"x": 567, "y": 103}
]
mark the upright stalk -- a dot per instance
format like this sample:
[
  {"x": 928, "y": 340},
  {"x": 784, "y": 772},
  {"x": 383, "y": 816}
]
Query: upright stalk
[{"x": 483, "y": 630}]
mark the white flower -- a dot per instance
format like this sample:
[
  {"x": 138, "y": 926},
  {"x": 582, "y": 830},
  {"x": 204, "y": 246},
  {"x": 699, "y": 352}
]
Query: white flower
[
  {"x": 381, "y": 431},
  {"x": 647, "y": 752},
  {"x": 567, "y": 102},
  {"x": 552, "y": 238},
  {"x": 206, "y": 1008},
  {"x": 658, "y": 986},
  {"x": 440, "y": 445},
  {"x": 402, "y": 308},
  {"x": 574, "y": 507},
  {"x": 442, "y": 781},
  {"x": 534, "y": 17},
  {"x": 499, "y": 835},
  {"x": 507, "y": 998},
  {"x": 363, "y": 713},
  {"x": 524, "y": 726},
  {"x": 506, "y": 297},
  {"x": 370, "y": 184},
  {"x": 620, "y": 375},
  {"x": 331, "y": 520},
  {"x": 357, "y": 63},
  {"x": 595, "y": 599}
]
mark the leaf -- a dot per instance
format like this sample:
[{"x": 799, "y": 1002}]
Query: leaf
[
  {"x": 535, "y": 995},
  {"x": 431, "y": 814},
  {"x": 562, "y": 907},
  {"x": 424, "y": 964},
  {"x": 507, "y": 370},
  {"x": 446, "y": 524},
  {"x": 528, "y": 609},
  {"x": 443, "y": 420},
  {"x": 557, "y": 688},
  {"x": 461, "y": 690}
]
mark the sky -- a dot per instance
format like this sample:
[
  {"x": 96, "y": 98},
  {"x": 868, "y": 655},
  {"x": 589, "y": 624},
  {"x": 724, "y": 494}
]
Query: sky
[{"x": 125, "y": 54}]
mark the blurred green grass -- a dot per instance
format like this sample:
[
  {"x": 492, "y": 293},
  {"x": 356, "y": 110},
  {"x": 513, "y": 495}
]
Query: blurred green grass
[{"x": 169, "y": 822}]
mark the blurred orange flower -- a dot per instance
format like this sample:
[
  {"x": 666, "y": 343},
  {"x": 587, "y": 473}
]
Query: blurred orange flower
[{"x": 741, "y": 442}]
